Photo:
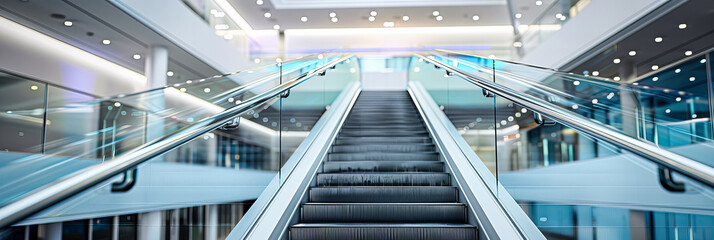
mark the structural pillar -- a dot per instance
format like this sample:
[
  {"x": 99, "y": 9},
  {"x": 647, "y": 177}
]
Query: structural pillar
[
  {"x": 53, "y": 231},
  {"x": 155, "y": 69},
  {"x": 628, "y": 101},
  {"x": 150, "y": 225},
  {"x": 211, "y": 227}
]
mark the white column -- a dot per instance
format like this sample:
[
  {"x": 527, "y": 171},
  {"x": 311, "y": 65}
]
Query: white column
[
  {"x": 150, "y": 225},
  {"x": 115, "y": 228},
  {"x": 211, "y": 222},
  {"x": 155, "y": 69},
  {"x": 628, "y": 101},
  {"x": 54, "y": 231},
  {"x": 156, "y": 66}
]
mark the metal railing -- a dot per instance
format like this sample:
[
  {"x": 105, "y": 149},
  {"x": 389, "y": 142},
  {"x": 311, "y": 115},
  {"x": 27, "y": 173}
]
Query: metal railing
[
  {"x": 51, "y": 194},
  {"x": 683, "y": 165}
]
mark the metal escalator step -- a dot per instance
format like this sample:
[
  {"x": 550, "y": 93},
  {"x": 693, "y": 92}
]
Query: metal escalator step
[
  {"x": 384, "y": 156},
  {"x": 383, "y": 132},
  {"x": 404, "y": 194},
  {"x": 383, "y": 166},
  {"x": 372, "y": 140},
  {"x": 425, "y": 147},
  {"x": 358, "y": 231},
  {"x": 384, "y": 212},
  {"x": 383, "y": 127},
  {"x": 384, "y": 179}
]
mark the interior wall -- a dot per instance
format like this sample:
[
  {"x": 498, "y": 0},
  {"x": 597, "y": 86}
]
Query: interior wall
[{"x": 487, "y": 39}]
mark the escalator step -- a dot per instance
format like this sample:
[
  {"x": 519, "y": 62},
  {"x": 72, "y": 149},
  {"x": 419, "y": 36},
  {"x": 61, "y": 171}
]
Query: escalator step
[
  {"x": 383, "y": 166},
  {"x": 403, "y": 194},
  {"x": 384, "y": 212},
  {"x": 383, "y": 179},
  {"x": 356, "y": 231},
  {"x": 383, "y": 156},
  {"x": 371, "y": 140},
  {"x": 383, "y": 147}
]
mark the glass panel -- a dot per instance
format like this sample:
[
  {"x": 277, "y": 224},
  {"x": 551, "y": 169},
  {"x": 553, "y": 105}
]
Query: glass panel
[
  {"x": 573, "y": 186},
  {"x": 576, "y": 187},
  {"x": 227, "y": 165},
  {"x": 85, "y": 133},
  {"x": 22, "y": 109},
  {"x": 673, "y": 116},
  {"x": 464, "y": 104}
]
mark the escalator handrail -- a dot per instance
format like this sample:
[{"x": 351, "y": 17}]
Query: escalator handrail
[
  {"x": 62, "y": 189},
  {"x": 683, "y": 165}
]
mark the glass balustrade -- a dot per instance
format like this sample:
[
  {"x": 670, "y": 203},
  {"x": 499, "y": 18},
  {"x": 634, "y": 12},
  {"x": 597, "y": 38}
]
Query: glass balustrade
[
  {"x": 230, "y": 165},
  {"x": 570, "y": 184}
]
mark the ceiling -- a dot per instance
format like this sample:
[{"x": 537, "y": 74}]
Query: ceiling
[
  {"x": 696, "y": 37},
  {"x": 127, "y": 35},
  {"x": 355, "y": 14},
  {"x": 333, "y": 4}
]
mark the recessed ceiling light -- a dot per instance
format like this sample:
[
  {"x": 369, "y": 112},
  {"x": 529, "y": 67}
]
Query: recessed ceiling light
[
  {"x": 276, "y": 27},
  {"x": 704, "y": 60},
  {"x": 632, "y": 53},
  {"x": 616, "y": 60},
  {"x": 405, "y": 18},
  {"x": 334, "y": 19},
  {"x": 475, "y": 17},
  {"x": 518, "y": 44},
  {"x": 518, "y": 15},
  {"x": 371, "y": 19},
  {"x": 677, "y": 70},
  {"x": 435, "y": 13},
  {"x": 388, "y": 24},
  {"x": 682, "y": 25},
  {"x": 439, "y": 18},
  {"x": 136, "y": 56},
  {"x": 539, "y": 2},
  {"x": 492, "y": 56},
  {"x": 596, "y": 73},
  {"x": 688, "y": 53},
  {"x": 655, "y": 67},
  {"x": 278, "y": 60},
  {"x": 256, "y": 60},
  {"x": 559, "y": 15},
  {"x": 691, "y": 79},
  {"x": 373, "y": 13},
  {"x": 106, "y": 42},
  {"x": 616, "y": 78},
  {"x": 68, "y": 23},
  {"x": 658, "y": 39},
  {"x": 259, "y": 2},
  {"x": 170, "y": 73},
  {"x": 267, "y": 15},
  {"x": 303, "y": 19},
  {"x": 333, "y": 14},
  {"x": 654, "y": 79}
]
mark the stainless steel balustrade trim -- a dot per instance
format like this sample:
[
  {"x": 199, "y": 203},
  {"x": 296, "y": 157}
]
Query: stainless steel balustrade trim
[
  {"x": 683, "y": 165},
  {"x": 49, "y": 195}
]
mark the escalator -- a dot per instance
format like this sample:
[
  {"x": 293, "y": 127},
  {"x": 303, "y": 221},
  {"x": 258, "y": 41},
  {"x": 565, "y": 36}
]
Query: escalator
[
  {"x": 383, "y": 178},
  {"x": 473, "y": 148}
]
